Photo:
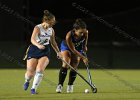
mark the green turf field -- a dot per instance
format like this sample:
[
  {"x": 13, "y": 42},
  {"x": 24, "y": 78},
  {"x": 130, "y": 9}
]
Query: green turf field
[{"x": 111, "y": 84}]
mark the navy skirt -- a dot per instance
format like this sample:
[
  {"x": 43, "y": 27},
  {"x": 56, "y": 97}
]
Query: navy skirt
[{"x": 34, "y": 52}]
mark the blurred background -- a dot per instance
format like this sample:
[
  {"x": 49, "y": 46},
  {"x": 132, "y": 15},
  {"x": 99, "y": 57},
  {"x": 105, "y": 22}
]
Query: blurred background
[{"x": 114, "y": 48}]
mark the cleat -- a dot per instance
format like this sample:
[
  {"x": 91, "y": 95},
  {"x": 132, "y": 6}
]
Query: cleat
[
  {"x": 33, "y": 91},
  {"x": 59, "y": 88},
  {"x": 69, "y": 88},
  {"x": 26, "y": 85}
]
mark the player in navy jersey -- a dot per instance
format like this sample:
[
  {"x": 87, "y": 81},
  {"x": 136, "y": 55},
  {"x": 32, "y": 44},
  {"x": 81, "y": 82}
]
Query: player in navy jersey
[
  {"x": 38, "y": 52},
  {"x": 72, "y": 49}
]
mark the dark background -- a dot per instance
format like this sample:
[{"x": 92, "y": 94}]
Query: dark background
[{"x": 107, "y": 46}]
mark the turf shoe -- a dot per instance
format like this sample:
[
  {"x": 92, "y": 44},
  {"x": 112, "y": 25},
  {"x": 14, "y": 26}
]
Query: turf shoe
[
  {"x": 33, "y": 91},
  {"x": 69, "y": 88},
  {"x": 59, "y": 88},
  {"x": 26, "y": 85}
]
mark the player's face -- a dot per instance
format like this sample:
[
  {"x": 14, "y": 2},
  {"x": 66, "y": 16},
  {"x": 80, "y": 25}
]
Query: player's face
[
  {"x": 80, "y": 32},
  {"x": 51, "y": 22}
]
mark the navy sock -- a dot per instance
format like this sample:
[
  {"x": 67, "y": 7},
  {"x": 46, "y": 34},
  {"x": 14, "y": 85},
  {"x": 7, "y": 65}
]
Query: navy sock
[
  {"x": 72, "y": 77},
  {"x": 62, "y": 75}
]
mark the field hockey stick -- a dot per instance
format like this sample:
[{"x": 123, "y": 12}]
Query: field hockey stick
[
  {"x": 92, "y": 86},
  {"x": 88, "y": 71},
  {"x": 89, "y": 75}
]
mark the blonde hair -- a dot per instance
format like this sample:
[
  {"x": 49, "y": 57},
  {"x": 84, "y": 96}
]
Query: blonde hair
[{"x": 47, "y": 16}]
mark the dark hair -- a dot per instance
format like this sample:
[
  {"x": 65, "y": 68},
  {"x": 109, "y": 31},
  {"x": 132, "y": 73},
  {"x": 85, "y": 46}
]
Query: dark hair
[
  {"x": 47, "y": 15},
  {"x": 79, "y": 24}
]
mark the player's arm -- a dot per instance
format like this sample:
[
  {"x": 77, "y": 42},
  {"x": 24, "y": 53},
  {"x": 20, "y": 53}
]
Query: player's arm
[
  {"x": 35, "y": 33},
  {"x": 86, "y": 41},
  {"x": 54, "y": 44},
  {"x": 72, "y": 47}
]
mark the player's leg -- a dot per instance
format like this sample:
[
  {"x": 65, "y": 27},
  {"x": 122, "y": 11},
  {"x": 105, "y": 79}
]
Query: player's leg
[
  {"x": 42, "y": 63},
  {"x": 72, "y": 75},
  {"x": 31, "y": 66},
  {"x": 63, "y": 71}
]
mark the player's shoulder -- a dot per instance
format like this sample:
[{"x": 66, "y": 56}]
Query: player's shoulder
[
  {"x": 70, "y": 32},
  {"x": 37, "y": 27}
]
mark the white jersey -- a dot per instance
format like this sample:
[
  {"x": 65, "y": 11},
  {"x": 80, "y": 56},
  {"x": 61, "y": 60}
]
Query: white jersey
[{"x": 44, "y": 35}]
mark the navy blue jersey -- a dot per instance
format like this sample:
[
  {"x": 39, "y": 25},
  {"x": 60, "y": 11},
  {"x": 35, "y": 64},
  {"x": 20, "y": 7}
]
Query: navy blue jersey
[{"x": 78, "y": 43}]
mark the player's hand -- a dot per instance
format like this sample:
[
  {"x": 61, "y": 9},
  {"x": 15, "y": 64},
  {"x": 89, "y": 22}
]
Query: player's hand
[
  {"x": 59, "y": 55},
  {"x": 41, "y": 47},
  {"x": 85, "y": 60}
]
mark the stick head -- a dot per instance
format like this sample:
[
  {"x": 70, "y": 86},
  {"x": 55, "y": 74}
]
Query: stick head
[{"x": 94, "y": 90}]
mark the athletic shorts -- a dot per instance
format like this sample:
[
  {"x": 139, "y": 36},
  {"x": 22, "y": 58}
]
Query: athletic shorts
[
  {"x": 34, "y": 52},
  {"x": 64, "y": 46}
]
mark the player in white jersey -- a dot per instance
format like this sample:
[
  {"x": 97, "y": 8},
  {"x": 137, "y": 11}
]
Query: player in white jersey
[{"x": 37, "y": 54}]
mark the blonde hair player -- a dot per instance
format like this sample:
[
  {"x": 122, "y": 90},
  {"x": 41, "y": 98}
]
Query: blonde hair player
[{"x": 38, "y": 52}]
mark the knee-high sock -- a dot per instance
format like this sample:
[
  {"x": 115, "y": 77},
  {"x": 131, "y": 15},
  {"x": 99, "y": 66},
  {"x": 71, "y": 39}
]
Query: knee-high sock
[
  {"x": 72, "y": 77},
  {"x": 62, "y": 75},
  {"x": 37, "y": 79}
]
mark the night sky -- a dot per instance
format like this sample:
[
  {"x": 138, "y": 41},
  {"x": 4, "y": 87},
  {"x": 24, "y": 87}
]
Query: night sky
[
  {"x": 124, "y": 14},
  {"x": 64, "y": 8}
]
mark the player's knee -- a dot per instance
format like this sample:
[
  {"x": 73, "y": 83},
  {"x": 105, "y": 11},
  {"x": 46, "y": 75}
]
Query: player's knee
[
  {"x": 75, "y": 64},
  {"x": 30, "y": 72},
  {"x": 30, "y": 69},
  {"x": 64, "y": 65},
  {"x": 67, "y": 60}
]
